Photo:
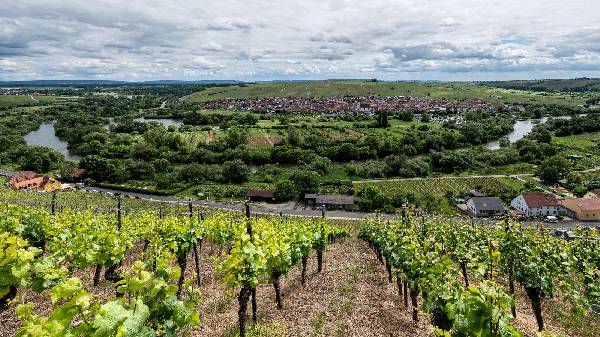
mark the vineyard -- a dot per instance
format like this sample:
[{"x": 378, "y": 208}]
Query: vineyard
[
  {"x": 439, "y": 186},
  {"x": 465, "y": 276},
  {"x": 181, "y": 271},
  {"x": 442, "y": 189}
]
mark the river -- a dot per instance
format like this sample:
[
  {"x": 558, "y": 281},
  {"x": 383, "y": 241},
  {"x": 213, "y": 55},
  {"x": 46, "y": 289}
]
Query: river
[
  {"x": 46, "y": 136},
  {"x": 166, "y": 122},
  {"x": 522, "y": 129}
]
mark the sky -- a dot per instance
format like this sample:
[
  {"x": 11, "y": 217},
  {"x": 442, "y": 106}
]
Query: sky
[{"x": 457, "y": 40}]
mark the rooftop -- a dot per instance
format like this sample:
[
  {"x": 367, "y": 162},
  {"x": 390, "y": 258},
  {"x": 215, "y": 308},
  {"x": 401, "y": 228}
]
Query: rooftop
[
  {"x": 539, "y": 199},
  {"x": 584, "y": 204},
  {"x": 260, "y": 193},
  {"x": 331, "y": 199},
  {"x": 488, "y": 203}
]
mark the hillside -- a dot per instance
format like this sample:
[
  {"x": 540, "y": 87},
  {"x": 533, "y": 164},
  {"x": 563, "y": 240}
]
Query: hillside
[
  {"x": 554, "y": 85},
  {"x": 451, "y": 91}
]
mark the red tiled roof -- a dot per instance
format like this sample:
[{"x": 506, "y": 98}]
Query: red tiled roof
[
  {"x": 22, "y": 176},
  {"x": 539, "y": 199},
  {"x": 596, "y": 192},
  {"x": 76, "y": 172},
  {"x": 588, "y": 204}
]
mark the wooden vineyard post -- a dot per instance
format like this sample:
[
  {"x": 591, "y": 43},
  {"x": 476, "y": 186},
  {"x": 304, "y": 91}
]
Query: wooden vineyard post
[
  {"x": 53, "y": 202},
  {"x": 198, "y": 251},
  {"x": 511, "y": 281},
  {"x": 246, "y": 291},
  {"x": 319, "y": 252},
  {"x": 182, "y": 259},
  {"x": 249, "y": 229},
  {"x": 405, "y": 292},
  {"x": 195, "y": 247},
  {"x": 111, "y": 272}
]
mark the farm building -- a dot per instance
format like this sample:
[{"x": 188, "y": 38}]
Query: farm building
[
  {"x": 584, "y": 209},
  {"x": 536, "y": 204},
  {"x": 333, "y": 201},
  {"x": 485, "y": 206},
  {"x": 33, "y": 181},
  {"x": 6, "y": 174},
  {"x": 260, "y": 195},
  {"x": 593, "y": 194},
  {"x": 476, "y": 193}
]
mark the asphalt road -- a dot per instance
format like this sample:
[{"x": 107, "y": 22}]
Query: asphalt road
[{"x": 345, "y": 215}]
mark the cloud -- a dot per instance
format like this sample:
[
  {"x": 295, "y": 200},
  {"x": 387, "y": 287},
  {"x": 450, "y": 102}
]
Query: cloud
[
  {"x": 263, "y": 39},
  {"x": 449, "y": 22},
  {"x": 212, "y": 46}
]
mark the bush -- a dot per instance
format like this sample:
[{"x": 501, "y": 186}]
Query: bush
[
  {"x": 285, "y": 190},
  {"x": 307, "y": 181},
  {"x": 235, "y": 171},
  {"x": 372, "y": 198}
]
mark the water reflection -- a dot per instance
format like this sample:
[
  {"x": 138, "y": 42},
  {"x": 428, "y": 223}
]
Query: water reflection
[{"x": 46, "y": 136}]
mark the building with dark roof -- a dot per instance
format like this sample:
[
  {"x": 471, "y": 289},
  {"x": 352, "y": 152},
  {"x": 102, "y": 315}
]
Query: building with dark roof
[
  {"x": 476, "y": 193},
  {"x": 330, "y": 201},
  {"x": 260, "y": 195},
  {"x": 593, "y": 194},
  {"x": 485, "y": 206}
]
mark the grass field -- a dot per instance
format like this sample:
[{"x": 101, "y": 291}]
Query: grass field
[
  {"x": 585, "y": 140},
  {"x": 452, "y": 91},
  {"x": 577, "y": 84},
  {"x": 7, "y": 101}
]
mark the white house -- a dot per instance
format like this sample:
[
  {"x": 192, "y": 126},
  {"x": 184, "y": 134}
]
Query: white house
[{"x": 535, "y": 204}]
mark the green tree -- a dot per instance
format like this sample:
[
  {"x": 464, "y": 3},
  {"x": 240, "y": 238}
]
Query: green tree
[
  {"x": 40, "y": 159},
  {"x": 97, "y": 168},
  {"x": 235, "y": 138},
  {"x": 372, "y": 198},
  {"x": 293, "y": 137},
  {"x": 307, "y": 181},
  {"x": 285, "y": 190},
  {"x": 235, "y": 171},
  {"x": 381, "y": 120},
  {"x": 554, "y": 169}
]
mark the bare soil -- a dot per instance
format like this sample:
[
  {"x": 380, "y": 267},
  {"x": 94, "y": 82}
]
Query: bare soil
[{"x": 350, "y": 297}]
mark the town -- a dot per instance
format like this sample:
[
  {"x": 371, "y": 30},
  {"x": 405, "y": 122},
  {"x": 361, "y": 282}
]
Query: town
[{"x": 357, "y": 104}]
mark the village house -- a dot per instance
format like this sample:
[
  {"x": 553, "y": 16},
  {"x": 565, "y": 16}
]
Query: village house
[
  {"x": 334, "y": 201},
  {"x": 485, "y": 206},
  {"x": 583, "y": 209},
  {"x": 593, "y": 194},
  {"x": 534, "y": 204},
  {"x": 29, "y": 180}
]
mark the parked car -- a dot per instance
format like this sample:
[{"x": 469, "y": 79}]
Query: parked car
[{"x": 551, "y": 219}]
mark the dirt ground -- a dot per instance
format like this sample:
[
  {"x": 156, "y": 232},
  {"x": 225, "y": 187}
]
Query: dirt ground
[{"x": 350, "y": 297}]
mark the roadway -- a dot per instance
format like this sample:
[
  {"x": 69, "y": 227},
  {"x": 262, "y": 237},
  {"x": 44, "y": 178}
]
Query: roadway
[{"x": 262, "y": 208}]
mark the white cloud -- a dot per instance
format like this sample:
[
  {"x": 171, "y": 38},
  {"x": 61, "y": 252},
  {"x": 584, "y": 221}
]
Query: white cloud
[{"x": 267, "y": 39}]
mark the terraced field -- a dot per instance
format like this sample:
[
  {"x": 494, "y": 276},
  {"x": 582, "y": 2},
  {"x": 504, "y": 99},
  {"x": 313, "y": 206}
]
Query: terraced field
[
  {"x": 452, "y": 91},
  {"x": 439, "y": 186}
]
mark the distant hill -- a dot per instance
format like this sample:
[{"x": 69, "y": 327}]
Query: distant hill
[
  {"x": 558, "y": 85},
  {"x": 433, "y": 90},
  {"x": 62, "y": 83}
]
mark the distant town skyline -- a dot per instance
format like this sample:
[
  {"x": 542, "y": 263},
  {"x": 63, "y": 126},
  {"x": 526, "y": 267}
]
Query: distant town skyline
[{"x": 453, "y": 40}]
